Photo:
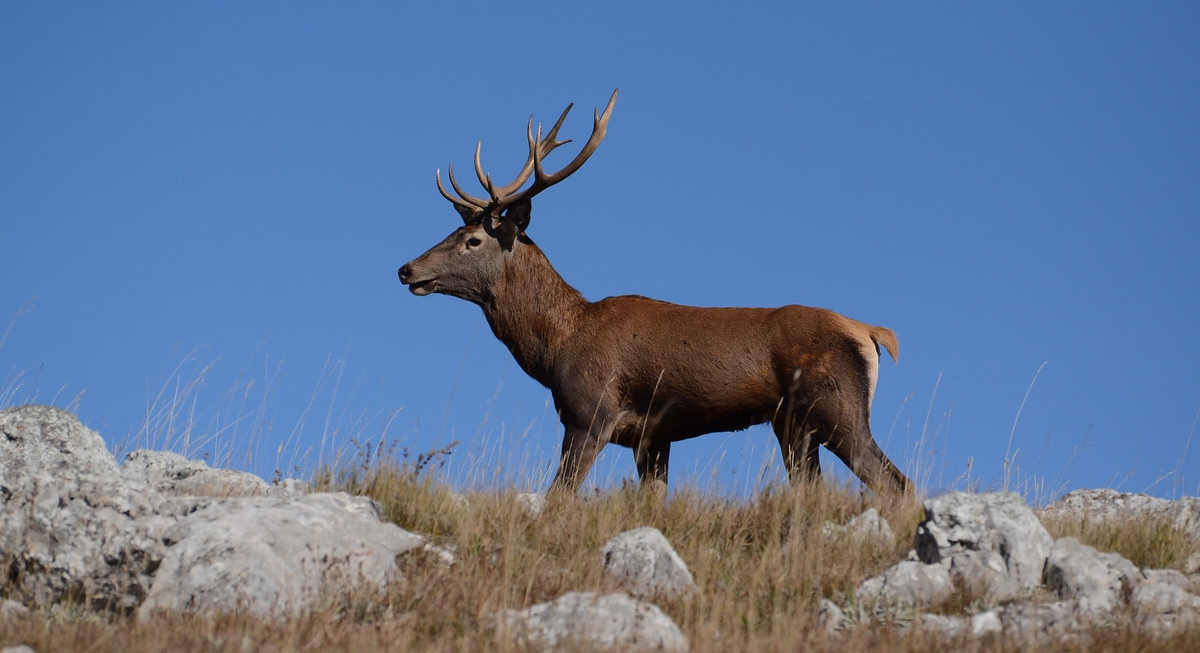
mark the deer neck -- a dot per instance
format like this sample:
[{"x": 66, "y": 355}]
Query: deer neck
[{"x": 533, "y": 310}]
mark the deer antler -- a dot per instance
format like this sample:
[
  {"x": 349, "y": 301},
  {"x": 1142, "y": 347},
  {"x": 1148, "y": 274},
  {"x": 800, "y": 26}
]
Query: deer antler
[{"x": 503, "y": 196}]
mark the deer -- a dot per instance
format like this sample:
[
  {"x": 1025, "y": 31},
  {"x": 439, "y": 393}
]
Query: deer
[{"x": 642, "y": 373}]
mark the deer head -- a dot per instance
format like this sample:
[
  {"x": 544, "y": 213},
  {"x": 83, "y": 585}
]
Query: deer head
[{"x": 467, "y": 263}]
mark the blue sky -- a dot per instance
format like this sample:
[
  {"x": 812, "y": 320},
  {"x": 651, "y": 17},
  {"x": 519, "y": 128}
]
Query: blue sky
[{"x": 222, "y": 193}]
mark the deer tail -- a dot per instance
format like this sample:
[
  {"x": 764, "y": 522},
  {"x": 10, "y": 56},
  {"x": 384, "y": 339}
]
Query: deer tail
[{"x": 886, "y": 337}]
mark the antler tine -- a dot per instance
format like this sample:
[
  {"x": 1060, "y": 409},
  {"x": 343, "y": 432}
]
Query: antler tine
[
  {"x": 542, "y": 181},
  {"x": 478, "y": 167},
  {"x": 475, "y": 201},
  {"x": 544, "y": 146},
  {"x": 456, "y": 201}
]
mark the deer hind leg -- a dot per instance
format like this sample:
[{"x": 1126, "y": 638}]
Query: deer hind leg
[
  {"x": 652, "y": 460},
  {"x": 799, "y": 447},
  {"x": 856, "y": 447}
]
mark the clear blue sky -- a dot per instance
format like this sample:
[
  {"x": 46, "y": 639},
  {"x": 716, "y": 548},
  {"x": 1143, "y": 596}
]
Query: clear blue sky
[{"x": 1004, "y": 186}]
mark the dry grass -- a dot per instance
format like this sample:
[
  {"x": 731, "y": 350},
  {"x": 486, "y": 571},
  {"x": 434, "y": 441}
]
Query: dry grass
[
  {"x": 1149, "y": 542},
  {"x": 762, "y": 567}
]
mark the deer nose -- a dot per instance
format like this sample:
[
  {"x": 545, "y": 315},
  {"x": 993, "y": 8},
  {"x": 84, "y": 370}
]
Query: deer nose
[{"x": 405, "y": 272}]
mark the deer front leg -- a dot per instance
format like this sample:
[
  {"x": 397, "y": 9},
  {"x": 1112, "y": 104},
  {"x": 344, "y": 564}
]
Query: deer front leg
[
  {"x": 652, "y": 460},
  {"x": 579, "y": 450}
]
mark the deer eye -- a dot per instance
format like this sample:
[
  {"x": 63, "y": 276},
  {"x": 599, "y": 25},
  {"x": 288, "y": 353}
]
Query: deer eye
[{"x": 474, "y": 242}]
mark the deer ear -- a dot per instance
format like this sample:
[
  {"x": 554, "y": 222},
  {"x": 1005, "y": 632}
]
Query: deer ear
[{"x": 518, "y": 215}]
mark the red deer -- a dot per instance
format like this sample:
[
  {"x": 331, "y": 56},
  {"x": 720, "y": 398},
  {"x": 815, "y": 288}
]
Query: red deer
[{"x": 643, "y": 373}]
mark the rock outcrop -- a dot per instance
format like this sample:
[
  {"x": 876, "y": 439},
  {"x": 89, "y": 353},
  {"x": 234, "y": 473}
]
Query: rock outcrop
[
  {"x": 157, "y": 533},
  {"x": 69, "y": 527},
  {"x": 993, "y": 547},
  {"x": 1110, "y": 505}
]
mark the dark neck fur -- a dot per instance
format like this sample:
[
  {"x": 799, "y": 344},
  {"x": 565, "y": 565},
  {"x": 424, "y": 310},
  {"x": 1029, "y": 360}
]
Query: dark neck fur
[{"x": 532, "y": 310}]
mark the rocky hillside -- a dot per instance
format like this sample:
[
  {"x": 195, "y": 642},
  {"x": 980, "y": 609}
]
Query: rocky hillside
[{"x": 159, "y": 552}]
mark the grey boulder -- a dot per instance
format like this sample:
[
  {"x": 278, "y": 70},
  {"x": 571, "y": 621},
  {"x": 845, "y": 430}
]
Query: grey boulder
[
  {"x": 591, "y": 621},
  {"x": 999, "y": 523},
  {"x": 274, "y": 557},
  {"x": 643, "y": 562},
  {"x": 908, "y": 582},
  {"x": 1096, "y": 581},
  {"x": 69, "y": 526}
]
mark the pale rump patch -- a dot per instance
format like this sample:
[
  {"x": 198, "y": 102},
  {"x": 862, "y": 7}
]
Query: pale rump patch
[{"x": 870, "y": 354}]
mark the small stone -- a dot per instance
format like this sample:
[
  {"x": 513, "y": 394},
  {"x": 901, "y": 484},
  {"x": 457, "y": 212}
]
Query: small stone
[
  {"x": 643, "y": 562},
  {"x": 10, "y": 609},
  {"x": 869, "y": 525},
  {"x": 445, "y": 554},
  {"x": 830, "y": 617},
  {"x": 17, "y": 649},
  {"x": 986, "y": 623},
  {"x": 1192, "y": 564},
  {"x": 597, "y": 622},
  {"x": 907, "y": 582},
  {"x": 532, "y": 504},
  {"x": 944, "y": 625}
]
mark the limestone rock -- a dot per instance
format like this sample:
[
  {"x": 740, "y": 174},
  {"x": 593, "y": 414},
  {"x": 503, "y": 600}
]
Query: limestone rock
[
  {"x": 996, "y": 522},
  {"x": 290, "y": 488},
  {"x": 273, "y": 557},
  {"x": 983, "y": 574},
  {"x": 830, "y": 617},
  {"x": 1108, "y": 505},
  {"x": 643, "y": 562},
  {"x": 986, "y": 623},
  {"x": 906, "y": 582},
  {"x": 532, "y": 504},
  {"x": 591, "y": 621},
  {"x": 10, "y": 609},
  {"x": 173, "y": 474},
  {"x": 1059, "y": 620},
  {"x": 948, "y": 626},
  {"x": 1097, "y": 581},
  {"x": 68, "y": 524},
  {"x": 1158, "y": 595},
  {"x": 17, "y": 649},
  {"x": 870, "y": 525}
]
